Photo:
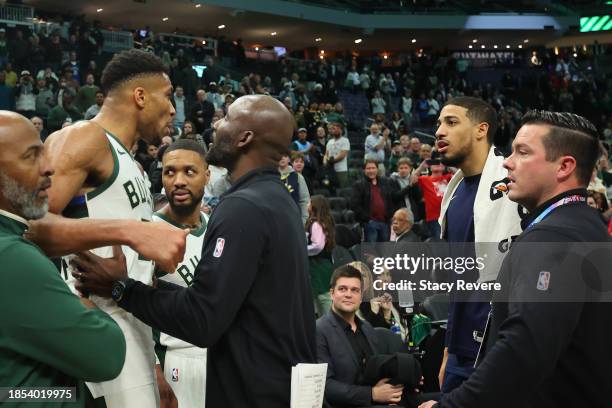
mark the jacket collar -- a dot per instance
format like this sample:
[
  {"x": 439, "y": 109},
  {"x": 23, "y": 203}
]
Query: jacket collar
[
  {"x": 536, "y": 212},
  {"x": 13, "y": 223}
]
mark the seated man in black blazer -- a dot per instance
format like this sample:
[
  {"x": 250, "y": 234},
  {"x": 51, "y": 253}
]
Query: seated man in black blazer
[{"x": 345, "y": 342}]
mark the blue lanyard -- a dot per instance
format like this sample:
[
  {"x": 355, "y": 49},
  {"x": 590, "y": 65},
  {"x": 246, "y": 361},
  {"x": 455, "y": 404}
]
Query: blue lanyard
[{"x": 576, "y": 198}]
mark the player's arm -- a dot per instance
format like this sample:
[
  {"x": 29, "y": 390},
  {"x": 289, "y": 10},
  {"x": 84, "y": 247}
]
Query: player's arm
[
  {"x": 49, "y": 324},
  {"x": 78, "y": 154}
]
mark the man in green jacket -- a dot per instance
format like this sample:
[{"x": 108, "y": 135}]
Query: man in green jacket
[{"x": 48, "y": 336}]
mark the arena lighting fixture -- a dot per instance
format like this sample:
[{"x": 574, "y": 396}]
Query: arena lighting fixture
[
  {"x": 99, "y": 10},
  {"x": 256, "y": 48},
  {"x": 357, "y": 41},
  {"x": 575, "y": 55},
  {"x": 413, "y": 40},
  {"x": 318, "y": 39},
  {"x": 482, "y": 46},
  {"x": 475, "y": 40},
  {"x": 321, "y": 57},
  {"x": 198, "y": 5},
  {"x": 470, "y": 46},
  {"x": 221, "y": 27},
  {"x": 520, "y": 45},
  {"x": 507, "y": 46},
  {"x": 203, "y": 42},
  {"x": 322, "y": 51},
  {"x": 526, "y": 40},
  {"x": 273, "y": 33},
  {"x": 165, "y": 19},
  {"x": 385, "y": 56},
  {"x": 495, "y": 46}
]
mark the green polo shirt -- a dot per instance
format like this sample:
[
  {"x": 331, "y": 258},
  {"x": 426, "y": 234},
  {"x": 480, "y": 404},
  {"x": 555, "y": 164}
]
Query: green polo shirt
[{"x": 47, "y": 337}]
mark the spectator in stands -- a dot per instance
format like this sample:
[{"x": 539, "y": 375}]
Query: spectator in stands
[
  {"x": 214, "y": 97},
  {"x": 336, "y": 156},
  {"x": 321, "y": 231},
  {"x": 188, "y": 132},
  {"x": 433, "y": 188},
  {"x": 312, "y": 118},
  {"x": 19, "y": 50},
  {"x": 88, "y": 48},
  {"x": 86, "y": 96},
  {"x": 44, "y": 98},
  {"x": 4, "y": 47},
  {"x": 397, "y": 125},
  {"x": 408, "y": 107},
  {"x": 378, "y": 104},
  {"x": 94, "y": 109},
  {"x": 287, "y": 92},
  {"x": 409, "y": 193},
  {"x": 181, "y": 106},
  {"x": 54, "y": 52},
  {"x": 422, "y": 108},
  {"x": 11, "y": 75},
  {"x": 414, "y": 153},
  {"x": 333, "y": 330},
  {"x": 596, "y": 184},
  {"x": 303, "y": 146},
  {"x": 40, "y": 128},
  {"x": 51, "y": 80},
  {"x": 59, "y": 113},
  {"x": 352, "y": 79},
  {"x": 396, "y": 154},
  {"x": 434, "y": 109},
  {"x": 402, "y": 223},
  {"x": 37, "y": 54},
  {"x": 374, "y": 200},
  {"x": 320, "y": 143},
  {"x": 374, "y": 147},
  {"x": 73, "y": 67},
  {"x": 202, "y": 112},
  {"x": 25, "y": 100},
  {"x": 7, "y": 94},
  {"x": 425, "y": 154},
  {"x": 296, "y": 185},
  {"x": 337, "y": 115}
]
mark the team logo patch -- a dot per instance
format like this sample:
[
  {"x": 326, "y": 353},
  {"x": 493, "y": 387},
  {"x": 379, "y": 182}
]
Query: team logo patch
[
  {"x": 219, "y": 247},
  {"x": 543, "y": 280},
  {"x": 175, "y": 375}
]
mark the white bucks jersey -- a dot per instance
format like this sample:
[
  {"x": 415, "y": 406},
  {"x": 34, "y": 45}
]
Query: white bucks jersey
[
  {"x": 183, "y": 276},
  {"x": 123, "y": 196}
]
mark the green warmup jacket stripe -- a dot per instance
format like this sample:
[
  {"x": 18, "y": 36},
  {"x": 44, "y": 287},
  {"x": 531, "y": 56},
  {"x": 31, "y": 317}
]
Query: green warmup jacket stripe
[{"x": 47, "y": 337}]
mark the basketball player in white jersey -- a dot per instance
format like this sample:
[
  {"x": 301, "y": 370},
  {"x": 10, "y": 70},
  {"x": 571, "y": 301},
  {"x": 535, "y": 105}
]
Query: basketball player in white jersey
[
  {"x": 97, "y": 178},
  {"x": 184, "y": 176}
]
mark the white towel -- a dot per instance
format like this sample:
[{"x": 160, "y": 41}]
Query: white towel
[{"x": 496, "y": 218}]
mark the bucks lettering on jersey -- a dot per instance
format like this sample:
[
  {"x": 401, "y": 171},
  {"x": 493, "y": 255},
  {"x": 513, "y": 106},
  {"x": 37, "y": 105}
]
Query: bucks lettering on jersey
[
  {"x": 123, "y": 196},
  {"x": 184, "y": 273}
]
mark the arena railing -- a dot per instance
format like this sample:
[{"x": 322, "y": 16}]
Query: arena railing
[
  {"x": 115, "y": 41},
  {"x": 190, "y": 41},
  {"x": 14, "y": 14}
]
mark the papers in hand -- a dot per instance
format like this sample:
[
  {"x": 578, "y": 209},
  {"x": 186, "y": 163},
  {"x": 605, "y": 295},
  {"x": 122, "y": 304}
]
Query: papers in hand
[{"x": 308, "y": 385}]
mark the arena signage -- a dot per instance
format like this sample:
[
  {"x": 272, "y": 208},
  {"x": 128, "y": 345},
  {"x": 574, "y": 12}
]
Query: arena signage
[{"x": 484, "y": 55}]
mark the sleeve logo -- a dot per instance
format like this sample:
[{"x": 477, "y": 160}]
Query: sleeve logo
[{"x": 219, "y": 248}]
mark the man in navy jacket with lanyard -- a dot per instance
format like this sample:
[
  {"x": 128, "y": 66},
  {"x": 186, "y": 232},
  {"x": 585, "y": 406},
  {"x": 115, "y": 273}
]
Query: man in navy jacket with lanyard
[{"x": 547, "y": 345}]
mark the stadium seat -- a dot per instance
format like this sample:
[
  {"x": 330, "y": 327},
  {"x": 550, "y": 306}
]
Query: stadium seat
[
  {"x": 338, "y": 203},
  {"x": 345, "y": 236},
  {"x": 345, "y": 192},
  {"x": 341, "y": 256},
  {"x": 349, "y": 216},
  {"x": 321, "y": 191},
  {"x": 337, "y": 215}
]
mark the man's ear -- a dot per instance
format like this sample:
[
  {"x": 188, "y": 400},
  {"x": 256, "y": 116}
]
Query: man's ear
[
  {"x": 567, "y": 167},
  {"x": 245, "y": 138},
  {"x": 139, "y": 97},
  {"x": 483, "y": 129}
]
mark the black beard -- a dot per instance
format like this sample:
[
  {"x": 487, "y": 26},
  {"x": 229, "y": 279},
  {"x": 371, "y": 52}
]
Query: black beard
[
  {"x": 453, "y": 161},
  {"x": 185, "y": 210},
  {"x": 220, "y": 158}
]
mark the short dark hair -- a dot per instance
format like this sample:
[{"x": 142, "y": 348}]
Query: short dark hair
[
  {"x": 187, "y": 144},
  {"x": 478, "y": 111},
  {"x": 345, "y": 271},
  {"x": 569, "y": 135},
  {"x": 129, "y": 64},
  {"x": 368, "y": 161}
]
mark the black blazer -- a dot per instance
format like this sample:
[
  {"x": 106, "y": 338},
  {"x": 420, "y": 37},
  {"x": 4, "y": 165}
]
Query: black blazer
[
  {"x": 334, "y": 349},
  {"x": 360, "y": 198}
]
